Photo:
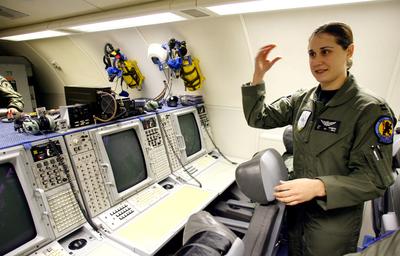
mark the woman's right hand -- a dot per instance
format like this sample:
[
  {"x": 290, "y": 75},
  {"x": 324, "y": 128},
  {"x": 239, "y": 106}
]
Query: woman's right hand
[{"x": 262, "y": 64}]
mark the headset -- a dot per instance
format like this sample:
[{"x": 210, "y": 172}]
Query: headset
[{"x": 35, "y": 125}]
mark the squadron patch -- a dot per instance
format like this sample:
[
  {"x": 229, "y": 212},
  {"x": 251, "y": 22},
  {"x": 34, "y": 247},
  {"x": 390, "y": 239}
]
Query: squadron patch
[{"x": 384, "y": 129}]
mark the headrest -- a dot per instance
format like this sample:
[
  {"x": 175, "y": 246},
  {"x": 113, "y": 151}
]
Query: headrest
[
  {"x": 258, "y": 177},
  {"x": 288, "y": 139}
]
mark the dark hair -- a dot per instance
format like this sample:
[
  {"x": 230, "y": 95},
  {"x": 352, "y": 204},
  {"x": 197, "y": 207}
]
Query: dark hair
[{"x": 341, "y": 31}]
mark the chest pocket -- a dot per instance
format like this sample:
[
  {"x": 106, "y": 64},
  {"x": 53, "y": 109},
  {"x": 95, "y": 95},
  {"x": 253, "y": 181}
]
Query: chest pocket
[
  {"x": 323, "y": 138},
  {"x": 305, "y": 133},
  {"x": 304, "y": 122}
]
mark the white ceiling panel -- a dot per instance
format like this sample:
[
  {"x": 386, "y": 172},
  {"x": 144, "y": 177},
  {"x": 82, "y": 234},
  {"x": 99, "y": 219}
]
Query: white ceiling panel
[
  {"x": 38, "y": 11},
  {"x": 107, "y": 4}
]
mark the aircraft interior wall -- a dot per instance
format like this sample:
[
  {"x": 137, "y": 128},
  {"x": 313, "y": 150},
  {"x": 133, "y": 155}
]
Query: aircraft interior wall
[{"x": 226, "y": 47}]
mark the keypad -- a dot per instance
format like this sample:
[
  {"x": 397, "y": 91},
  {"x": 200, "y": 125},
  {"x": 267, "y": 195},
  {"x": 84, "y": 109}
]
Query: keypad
[
  {"x": 88, "y": 172},
  {"x": 65, "y": 210},
  {"x": 157, "y": 154},
  {"x": 171, "y": 141},
  {"x": 49, "y": 173}
]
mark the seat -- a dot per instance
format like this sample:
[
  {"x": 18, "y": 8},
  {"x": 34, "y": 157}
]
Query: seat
[
  {"x": 388, "y": 240},
  {"x": 236, "y": 205},
  {"x": 384, "y": 216},
  {"x": 205, "y": 236},
  {"x": 257, "y": 178}
]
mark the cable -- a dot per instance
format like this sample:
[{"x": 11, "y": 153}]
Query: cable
[
  {"x": 169, "y": 83},
  {"x": 162, "y": 93},
  {"x": 177, "y": 157},
  {"x": 212, "y": 141},
  {"x": 74, "y": 191}
]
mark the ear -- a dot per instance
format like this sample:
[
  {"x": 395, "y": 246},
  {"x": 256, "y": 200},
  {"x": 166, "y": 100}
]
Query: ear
[{"x": 350, "y": 51}]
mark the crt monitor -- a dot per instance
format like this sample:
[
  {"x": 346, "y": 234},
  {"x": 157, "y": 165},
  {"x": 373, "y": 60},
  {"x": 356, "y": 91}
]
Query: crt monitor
[
  {"x": 190, "y": 133},
  {"x": 121, "y": 152},
  {"x": 189, "y": 129},
  {"x": 22, "y": 226}
]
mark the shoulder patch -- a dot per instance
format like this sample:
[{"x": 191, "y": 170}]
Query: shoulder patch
[{"x": 384, "y": 129}]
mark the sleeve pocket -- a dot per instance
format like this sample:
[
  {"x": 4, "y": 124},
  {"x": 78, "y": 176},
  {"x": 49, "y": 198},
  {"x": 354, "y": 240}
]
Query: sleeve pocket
[{"x": 380, "y": 171}]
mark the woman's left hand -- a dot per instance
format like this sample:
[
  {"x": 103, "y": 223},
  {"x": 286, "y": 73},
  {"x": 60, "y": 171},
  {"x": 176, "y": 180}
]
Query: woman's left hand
[{"x": 298, "y": 191}]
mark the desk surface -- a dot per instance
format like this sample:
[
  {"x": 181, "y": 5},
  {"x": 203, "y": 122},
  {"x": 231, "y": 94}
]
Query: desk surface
[{"x": 148, "y": 232}]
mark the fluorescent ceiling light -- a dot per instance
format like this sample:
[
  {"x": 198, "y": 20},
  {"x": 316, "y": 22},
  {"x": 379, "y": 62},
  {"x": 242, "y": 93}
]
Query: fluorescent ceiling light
[
  {"x": 130, "y": 22},
  {"x": 35, "y": 35},
  {"x": 272, "y": 5}
]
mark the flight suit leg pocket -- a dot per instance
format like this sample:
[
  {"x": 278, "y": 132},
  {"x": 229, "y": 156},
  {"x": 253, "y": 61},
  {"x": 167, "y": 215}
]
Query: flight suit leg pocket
[{"x": 380, "y": 168}]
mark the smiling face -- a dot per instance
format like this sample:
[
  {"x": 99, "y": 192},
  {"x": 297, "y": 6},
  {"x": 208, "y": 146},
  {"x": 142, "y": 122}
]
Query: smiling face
[{"x": 328, "y": 60}]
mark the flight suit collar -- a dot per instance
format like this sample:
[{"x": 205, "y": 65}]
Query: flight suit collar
[{"x": 345, "y": 93}]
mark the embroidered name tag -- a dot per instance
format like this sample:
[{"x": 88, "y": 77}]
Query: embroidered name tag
[{"x": 326, "y": 125}]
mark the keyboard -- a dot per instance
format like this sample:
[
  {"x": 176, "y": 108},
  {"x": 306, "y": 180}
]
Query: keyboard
[
  {"x": 147, "y": 197},
  {"x": 195, "y": 168}
]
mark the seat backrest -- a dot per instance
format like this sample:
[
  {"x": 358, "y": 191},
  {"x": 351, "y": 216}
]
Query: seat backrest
[
  {"x": 257, "y": 179},
  {"x": 390, "y": 202},
  {"x": 288, "y": 139}
]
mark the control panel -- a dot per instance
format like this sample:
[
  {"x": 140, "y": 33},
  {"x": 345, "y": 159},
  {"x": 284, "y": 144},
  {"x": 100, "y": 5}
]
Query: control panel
[
  {"x": 118, "y": 215},
  {"x": 47, "y": 169},
  {"x": 53, "y": 176},
  {"x": 88, "y": 172},
  {"x": 171, "y": 140},
  {"x": 205, "y": 127},
  {"x": 155, "y": 148},
  {"x": 52, "y": 249}
]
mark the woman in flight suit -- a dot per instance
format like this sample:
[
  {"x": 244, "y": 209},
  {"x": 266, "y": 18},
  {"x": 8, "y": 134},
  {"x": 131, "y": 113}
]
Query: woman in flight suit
[{"x": 342, "y": 138}]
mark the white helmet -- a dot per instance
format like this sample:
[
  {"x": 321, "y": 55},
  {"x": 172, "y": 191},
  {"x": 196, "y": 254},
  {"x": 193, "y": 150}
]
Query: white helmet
[{"x": 157, "y": 53}]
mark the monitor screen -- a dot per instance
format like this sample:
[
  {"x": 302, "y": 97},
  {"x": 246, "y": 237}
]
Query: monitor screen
[
  {"x": 190, "y": 133},
  {"x": 126, "y": 158},
  {"x": 16, "y": 223}
]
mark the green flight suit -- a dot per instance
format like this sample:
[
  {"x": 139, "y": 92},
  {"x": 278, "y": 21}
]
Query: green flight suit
[
  {"x": 342, "y": 144},
  {"x": 9, "y": 98}
]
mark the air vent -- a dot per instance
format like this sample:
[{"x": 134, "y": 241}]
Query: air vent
[
  {"x": 195, "y": 13},
  {"x": 10, "y": 13}
]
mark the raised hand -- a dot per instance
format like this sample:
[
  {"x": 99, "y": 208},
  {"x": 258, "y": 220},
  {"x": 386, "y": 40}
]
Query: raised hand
[{"x": 262, "y": 63}]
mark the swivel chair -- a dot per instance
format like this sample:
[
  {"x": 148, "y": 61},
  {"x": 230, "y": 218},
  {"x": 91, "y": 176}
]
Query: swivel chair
[
  {"x": 257, "y": 178},
  {"x": 386, "y": 220},
  {"x": 236, "y": 205},
  {"x": 386, "y": 209},
  {"x": 205, "y": 236}
]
